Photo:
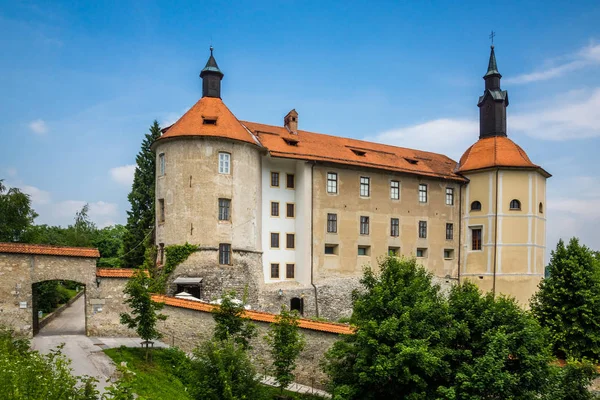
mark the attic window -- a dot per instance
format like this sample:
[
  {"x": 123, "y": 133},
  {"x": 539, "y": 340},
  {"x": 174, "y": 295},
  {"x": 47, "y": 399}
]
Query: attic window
[
  {"x": 359, "y": 152},
  {"x": 209, "y": 120},
  {"x": 411, "y": 161},
  {"x": 291, "y": 142}
]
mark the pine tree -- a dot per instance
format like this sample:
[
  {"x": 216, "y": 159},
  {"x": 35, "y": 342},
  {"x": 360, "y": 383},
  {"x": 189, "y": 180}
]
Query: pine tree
[
  {"x": 568, "y": 301},
  {"x": 140, "y": 219}
]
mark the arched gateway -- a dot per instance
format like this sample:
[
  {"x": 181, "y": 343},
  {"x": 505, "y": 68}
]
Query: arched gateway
[{"x": 22, "y": 265}]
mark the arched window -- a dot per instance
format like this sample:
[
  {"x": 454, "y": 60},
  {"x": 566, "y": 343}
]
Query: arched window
[
  {"x": 515, "y": 204},
  {"x": 297, "y": 304},
  {"x": 476, "y": 206},
  {"x": 541, "y": 208}
]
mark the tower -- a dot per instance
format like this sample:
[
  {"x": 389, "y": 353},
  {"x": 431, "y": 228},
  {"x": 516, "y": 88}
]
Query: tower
[
  {"x": 211, "y": 77},
  {"x": 503, "y": 218}
]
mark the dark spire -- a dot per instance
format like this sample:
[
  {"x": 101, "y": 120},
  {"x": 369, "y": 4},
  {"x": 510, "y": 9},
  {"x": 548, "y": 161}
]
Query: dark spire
[
  {"x": 492, "y": 105},
  {"x": 211, "y": 77}
]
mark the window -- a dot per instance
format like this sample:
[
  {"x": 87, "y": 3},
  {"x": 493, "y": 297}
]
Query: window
[
  {"x": 449, "y": 231},
  {"x": 274, "y": 179},
  {"x": 290, "y": 241},
  {"x": 290, "y": 210},
  {"x": 395, "y": 190},
  {"x": 332, "y": 223},
  {"x": 364, "y": 225},
  {"x": 363, "y": 250},
  {"x": 224, "y": 159},
  {"x": 161, "y": 210},
  {"x": 274, "y": 209},
  {"x": 331, "y": 249},
  {"x": 365, "y": 186},
  {"x": 515, "y": 204},
  {"x": 393, "y": 251},
  {"x": 332, "y": 182},
  {"x": 422, "y": 229},
  {"x": 209, "y": 120},
  {"x": 290, "y": 270},
  {"x": 395, "y": 224},
  {"x": 359, "y": 152},
  {"x": 476, "y": 239},
  {"x": 290, "y": 182},
  {"x": 476, "y": 206},
  {"x": 224, "y": 206},
  {"x": 162, "y": 253},
  {"x": 274, "y": 240},
  {"x": 161, "y": 164},
  {"x": 274, "y": 271},
  {"x": 449, "y": 196},
  {"x": 225, "y": 254},
  {"x": 541, "y": 208},
  {"x": 422, "y": 193},
  {"x": 448, "y": 254},
  {"x": 421, "y": 253}
]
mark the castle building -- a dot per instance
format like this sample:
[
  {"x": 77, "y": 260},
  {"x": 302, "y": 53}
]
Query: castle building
[{"x": 291, "y": 217}]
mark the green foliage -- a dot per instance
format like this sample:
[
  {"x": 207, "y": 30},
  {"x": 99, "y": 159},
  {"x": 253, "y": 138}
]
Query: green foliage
[
  {"x": 572, "y": 381},
  {"x": 140, "y": 219},
  {"x": 230, "y": 321},
  {"x": 16, "y": 214},
  {"x": 286, "y": 342},
  {"x": 568, "y": 301},
  {"x": 50, "y": 294},
  {"x": 176, "y": 254},
  {"x": 221, "y": 370},
  {"x": 143, "y": 309}
]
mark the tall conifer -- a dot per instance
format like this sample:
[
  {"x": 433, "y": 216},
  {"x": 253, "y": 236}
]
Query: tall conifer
[{"x": 140, "y": 219}]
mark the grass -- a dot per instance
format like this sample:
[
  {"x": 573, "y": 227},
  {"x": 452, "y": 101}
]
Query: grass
[{"x": 154, "y": 380}]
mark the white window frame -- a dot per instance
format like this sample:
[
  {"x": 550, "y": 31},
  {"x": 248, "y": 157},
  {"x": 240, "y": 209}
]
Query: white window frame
[
  {"x": 365, "y": 186},
  {"x": 161, "y": 164},
  {"x": 422, "y": 193},
  {"x": 224, "y": 163},
  {"x": 395, "y": 190},
  {"x": 332, "y": 182}
]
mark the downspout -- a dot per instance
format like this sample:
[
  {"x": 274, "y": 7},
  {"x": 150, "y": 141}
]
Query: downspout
[
  {"x": 312, "y": 184},
  {"x": 460, "y": 219},
  {"x": 495, "y": 236}
]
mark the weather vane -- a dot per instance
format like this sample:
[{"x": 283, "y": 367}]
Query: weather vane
[{"x": 492, "y": 37}]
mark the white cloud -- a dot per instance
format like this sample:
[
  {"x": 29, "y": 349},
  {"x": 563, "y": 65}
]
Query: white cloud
[
  {"x": 585, "y": 57},
  {"x": 123, "y": 175},
  {"x": 11, "y": 172},
  {"x": 39, "y": 127},
  {"x": 170, "y": 118},
  {"x": 38, "y": 196},
  {"x": 63, "y": 212}
]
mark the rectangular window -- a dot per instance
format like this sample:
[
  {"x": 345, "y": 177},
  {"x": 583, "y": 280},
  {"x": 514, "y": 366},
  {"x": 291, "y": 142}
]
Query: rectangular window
[
  {"x": 274, "y": 271},
  {"x": 363, "y": 250},
  {"x": 365, "y": 189},
  {"x": 225, "y": 254},
  {"x": 274, "y": 240},
  {"x": 224, "y": 160},
  {"x": 449, "y": 196},
  {"x": 290, "y": 241},
  {"x": 422, "y": 229},
  {"x": 448, "y": 254},
  {"x": 290, "y": 271},
  {"x": 422, "y": 193},
  {"x": 161, "y": 251},
  {"x": 332, "y": 182},
  {"x": 290, "y": 181},
  {"x": 161, "y": 164},
  {"x": 393, "y": 251},
  {"x": 364, "y": 225},
  {"x": 395, "y": 190},
  {"x": 476, "y": 239},
  {"x": 224, "y": 206},
  {"x": 290, "y": 210},
  {"x": 421, "y": 253},
  {"x": 274, "y": 209},
  {"x": 449, "y": 231},
  {"x": 332, "y": 223},
  {"x": 395, "y": 223},
  {"x": 161, "y": 210},
  {"x": 274, "y": 179},
  {"x": 331, "y": 249}
]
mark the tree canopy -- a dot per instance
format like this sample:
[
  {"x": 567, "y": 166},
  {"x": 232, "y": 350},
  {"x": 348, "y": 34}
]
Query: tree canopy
[{"x": 16, "y": 214}]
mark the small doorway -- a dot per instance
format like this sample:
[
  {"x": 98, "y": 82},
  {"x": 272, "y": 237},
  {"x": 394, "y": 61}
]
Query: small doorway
[
  {"x": 297, "y": 303},
  {"x": 58, "y": 308}
]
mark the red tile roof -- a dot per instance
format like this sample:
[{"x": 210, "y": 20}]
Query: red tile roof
[
  {"x": 40, "y": 249},
  {"x": 315, "y": 146},
  {"x": 497, "y": 151},
  {"x": 116, "y": 272},
  {"x": 330, "y": 327}
]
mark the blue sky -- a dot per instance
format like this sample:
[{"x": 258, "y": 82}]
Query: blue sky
[{"x": 83, "y": 81}]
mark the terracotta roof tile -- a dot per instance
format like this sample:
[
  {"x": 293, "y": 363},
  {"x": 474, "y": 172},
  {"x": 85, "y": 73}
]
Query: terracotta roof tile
[
  {"x": 319, "y": 147},
  {"x": 116, "y": 272},
  {"x": 330, "y": 327},
  {"x": 192, "y": 123},
  {"x": 40, "y": 249},
  {"x": 497, "y": 151}
]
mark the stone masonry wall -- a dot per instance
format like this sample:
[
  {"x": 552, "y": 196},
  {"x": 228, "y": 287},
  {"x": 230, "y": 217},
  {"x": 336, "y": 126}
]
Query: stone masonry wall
[{"x": 111, "y": 298}]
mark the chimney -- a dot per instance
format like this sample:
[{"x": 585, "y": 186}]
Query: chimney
[{"x": 290, "y": 121}]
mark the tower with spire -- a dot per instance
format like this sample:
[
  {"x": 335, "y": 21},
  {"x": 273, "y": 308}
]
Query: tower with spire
[
  {"x": 492, "y": 104},
  {"x": 211, "y": 77}
]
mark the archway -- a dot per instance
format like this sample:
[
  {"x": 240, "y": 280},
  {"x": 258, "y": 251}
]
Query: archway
[{"x": 58, "y": 308}]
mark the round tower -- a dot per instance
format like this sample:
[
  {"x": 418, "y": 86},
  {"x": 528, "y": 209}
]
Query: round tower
[{"x": 504, "y": 204}]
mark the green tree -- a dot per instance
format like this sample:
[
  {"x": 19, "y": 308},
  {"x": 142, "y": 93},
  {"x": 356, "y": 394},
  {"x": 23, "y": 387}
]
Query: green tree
[
  {"x": 140, "y": 219},
  {"x": 568, "y": 301},
  {"x": 16, "y": 214},
  {"x": 82, "y": 232},
  {"x": 144, "y": 311},
  {"x": 286, "y": 342},
  {"x": 109, "y": 241},
  {"x": 231, "y": 323}
]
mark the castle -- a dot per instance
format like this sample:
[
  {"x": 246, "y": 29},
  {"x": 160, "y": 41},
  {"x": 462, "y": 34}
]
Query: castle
[{"x": 291, "y": 216}]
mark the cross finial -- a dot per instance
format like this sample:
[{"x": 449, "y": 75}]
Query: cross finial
[
  {"x": 211, "y": 49},
  {"x": 492, "y": 37}
]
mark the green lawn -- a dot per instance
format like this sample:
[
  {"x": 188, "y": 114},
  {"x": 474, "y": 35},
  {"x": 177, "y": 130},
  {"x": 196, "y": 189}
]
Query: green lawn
[{"x": 154, "y": 380}]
